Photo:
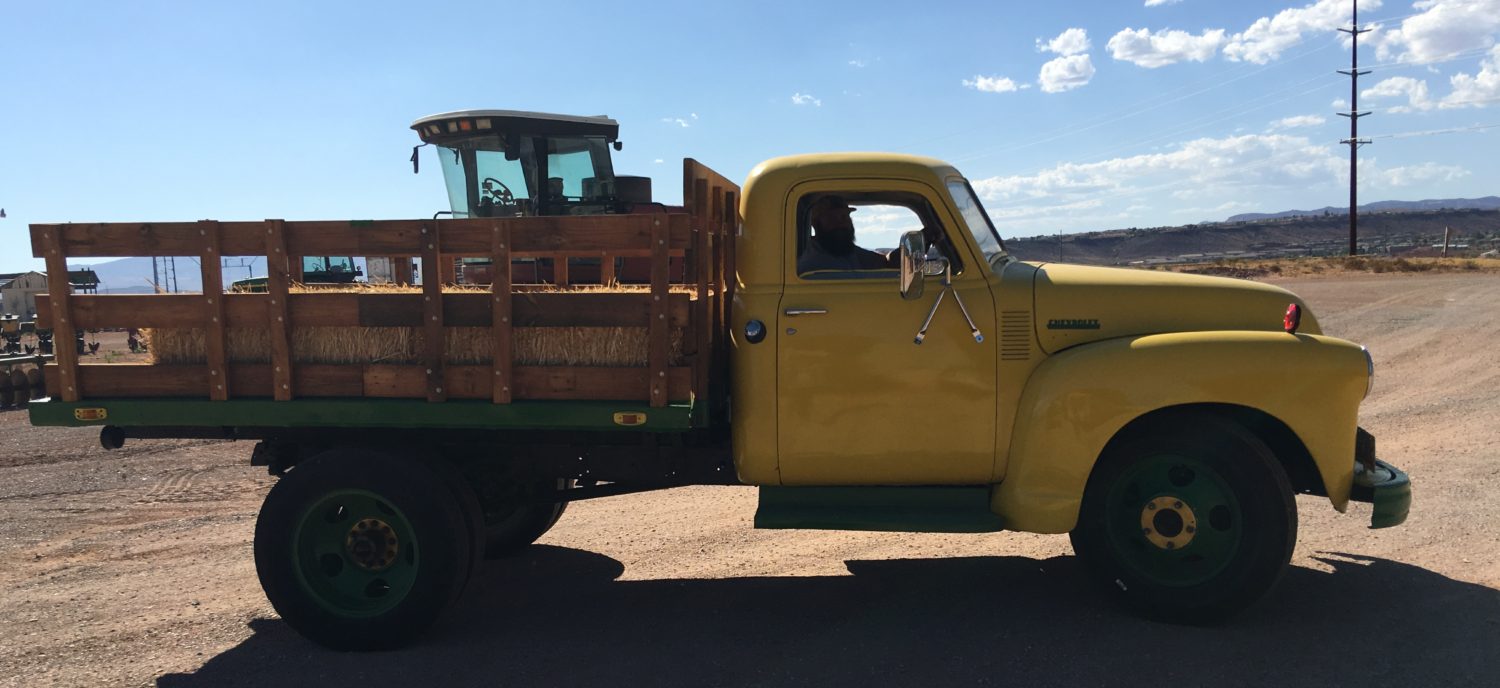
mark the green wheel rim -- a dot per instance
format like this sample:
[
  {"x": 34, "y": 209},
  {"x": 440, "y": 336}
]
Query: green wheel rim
[
  {"x": 1174, "y": 520},
  {"x": 355, "y": 554}
]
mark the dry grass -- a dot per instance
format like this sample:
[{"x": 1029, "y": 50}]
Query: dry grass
[
  {"x": 1337, "y": 265},
  {"x": 549, "y": 346}
]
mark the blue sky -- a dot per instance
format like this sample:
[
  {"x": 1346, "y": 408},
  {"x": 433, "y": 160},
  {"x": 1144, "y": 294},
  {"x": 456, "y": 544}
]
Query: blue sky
[{"x": 1068, "y": 116}]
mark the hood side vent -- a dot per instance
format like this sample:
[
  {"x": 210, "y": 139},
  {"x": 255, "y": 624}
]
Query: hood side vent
[{"x": 1015, "y": 335}]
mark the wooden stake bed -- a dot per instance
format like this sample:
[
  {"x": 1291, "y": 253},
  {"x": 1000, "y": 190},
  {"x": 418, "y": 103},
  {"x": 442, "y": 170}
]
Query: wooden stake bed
[{"x": 701, "y": 237}]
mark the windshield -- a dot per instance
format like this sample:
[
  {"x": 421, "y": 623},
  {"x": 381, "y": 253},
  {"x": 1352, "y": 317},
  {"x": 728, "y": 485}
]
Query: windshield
[
  {"x": 493, "y": 176},
  {"x": 977, "y": 220}
]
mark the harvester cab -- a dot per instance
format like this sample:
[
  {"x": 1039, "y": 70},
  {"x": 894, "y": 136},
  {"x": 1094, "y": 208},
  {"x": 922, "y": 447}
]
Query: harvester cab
[{"x": 506, "y": 163}]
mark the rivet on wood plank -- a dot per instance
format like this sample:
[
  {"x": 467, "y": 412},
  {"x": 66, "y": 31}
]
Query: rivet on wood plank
[
  {"x": 70, "y": 389},
  {"x": 283, "y": 386},
  {"x": 215, "y": 319},
  {"x": 434, "y": 317},
  {"x": 221, "y": 387},
  {"x": 430, "y": 246},
  {"x": 278, "y": 369},
  {"x": 213, "y": 372},
  {"x": 278, "y": 318},
  {"x": 429, "y": 371},
  {"x": 440, "y": 390},
  {"x": 210, "y": 300},
  {"x": 504, "y": 319},
  {"x": 505, "y": 389}
]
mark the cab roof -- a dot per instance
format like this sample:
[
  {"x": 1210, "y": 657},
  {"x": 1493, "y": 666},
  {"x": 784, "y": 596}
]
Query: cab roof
[{"x": 461, "y": 124}]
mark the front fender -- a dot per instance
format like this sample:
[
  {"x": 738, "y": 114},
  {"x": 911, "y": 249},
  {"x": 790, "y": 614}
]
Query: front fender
[{"x": 1077, "y": 400}]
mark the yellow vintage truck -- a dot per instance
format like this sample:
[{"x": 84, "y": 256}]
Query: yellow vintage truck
[{"x": 615, "y": 344}]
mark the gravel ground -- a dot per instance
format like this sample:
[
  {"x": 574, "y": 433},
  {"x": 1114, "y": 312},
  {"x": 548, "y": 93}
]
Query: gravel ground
[{"x": 134, "y": 567}]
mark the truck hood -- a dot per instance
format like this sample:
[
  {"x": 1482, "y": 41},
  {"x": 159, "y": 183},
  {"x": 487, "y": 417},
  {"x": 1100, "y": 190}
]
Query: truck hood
[{"x": 1077, "y": 304}]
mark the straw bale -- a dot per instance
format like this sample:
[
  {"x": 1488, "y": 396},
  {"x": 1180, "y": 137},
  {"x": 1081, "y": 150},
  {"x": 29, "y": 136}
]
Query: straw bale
[{"x": 533, "y": 346}]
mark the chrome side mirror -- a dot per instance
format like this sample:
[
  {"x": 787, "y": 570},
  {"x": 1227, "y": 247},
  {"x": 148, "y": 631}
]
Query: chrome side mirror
[
  {"x": 916, "y": 264},
  {"x": 913, "y": 260}
]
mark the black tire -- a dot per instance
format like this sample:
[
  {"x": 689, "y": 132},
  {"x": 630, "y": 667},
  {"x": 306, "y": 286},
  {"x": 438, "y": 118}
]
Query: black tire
[
  {"x": 508, "y": 530},
  {"x": 315, "y": 577},
  {"x": 473, "y": 516},
  {"x": 1194, "y": 480},
  {"x": 21, "y": 386},
  {"x": 37, "y": 382}
]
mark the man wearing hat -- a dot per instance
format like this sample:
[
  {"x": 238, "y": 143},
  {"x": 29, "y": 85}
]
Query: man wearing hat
[{"x": 831, "y": 247}]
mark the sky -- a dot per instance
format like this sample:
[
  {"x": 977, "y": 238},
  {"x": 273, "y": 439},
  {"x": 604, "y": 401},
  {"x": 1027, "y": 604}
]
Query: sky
[{"x": 1066, "y": 116}]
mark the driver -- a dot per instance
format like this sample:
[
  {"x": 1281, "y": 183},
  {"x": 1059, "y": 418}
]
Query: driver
[{"x": 832, "y": 247}]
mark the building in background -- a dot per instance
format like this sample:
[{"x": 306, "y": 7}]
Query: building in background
[
  {"x": 18, "y": 293},
  {"x": 18, "y": 290}
]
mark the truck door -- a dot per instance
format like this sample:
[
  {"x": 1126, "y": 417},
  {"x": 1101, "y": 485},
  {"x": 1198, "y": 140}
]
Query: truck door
[{"x": 858, "y": 401}]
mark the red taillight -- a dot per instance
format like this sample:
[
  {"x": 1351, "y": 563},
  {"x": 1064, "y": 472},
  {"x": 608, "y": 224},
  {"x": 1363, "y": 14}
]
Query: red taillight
[{"x": 1292, "y": 319}]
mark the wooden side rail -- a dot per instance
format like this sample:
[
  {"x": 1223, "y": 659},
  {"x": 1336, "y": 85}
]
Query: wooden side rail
[
  {"x": 691, "y": 249},
  {"x": 350, "y": 309},
  {"x": 574, "y": 236}
]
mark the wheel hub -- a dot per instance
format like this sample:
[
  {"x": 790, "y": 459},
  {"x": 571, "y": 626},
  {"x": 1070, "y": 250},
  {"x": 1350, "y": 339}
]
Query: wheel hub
[
  {"x": 372, "y": 544},
  {"x": 1168, "y": 523}
]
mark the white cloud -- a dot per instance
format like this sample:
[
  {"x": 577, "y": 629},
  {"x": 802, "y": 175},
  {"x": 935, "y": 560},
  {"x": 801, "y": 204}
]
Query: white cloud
[
  {"x": 993, "y": 84},
  {"x": 1070, "y": 42},
  {"x": 658, "y": 161},
  {"x": 1066, "y": 73},
  {"x": 1161, "y": 3},
  {"x": 858, "y": 64},
  {"x": 1413, "y": 90},
  {"x": 1423, "y": 173},
  {"x": 1480, "y": 90},
  {"x": 1442, "y": 29},
  {"x": 805, "y": 99},
  {"x": 1339, "y": 104},
  {"x": 1298, "y": 121},
  {"x": 680, "y": 121},
  {"x": 1267, "y": 38},
  {"x": 1234, "y": 163},
  {"x": 1158, "y": 49}
]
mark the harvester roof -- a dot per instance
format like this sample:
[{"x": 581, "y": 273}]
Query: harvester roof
[{"x": 464, "y": 124}]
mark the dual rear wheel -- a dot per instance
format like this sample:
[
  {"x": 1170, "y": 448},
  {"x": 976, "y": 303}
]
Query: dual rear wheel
[{"x": 359, "y": 550}]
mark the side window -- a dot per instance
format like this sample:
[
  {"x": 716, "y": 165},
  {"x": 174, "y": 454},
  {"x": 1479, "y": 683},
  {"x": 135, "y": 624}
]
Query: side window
[{"x": 854, "y": 235}]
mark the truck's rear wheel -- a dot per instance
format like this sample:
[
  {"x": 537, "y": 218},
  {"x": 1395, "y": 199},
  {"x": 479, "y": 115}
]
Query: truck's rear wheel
[
  {"x": 1188, "y": 522},
  {"x": 511, "y": 527},
  {"x": 360, "y": 551}
]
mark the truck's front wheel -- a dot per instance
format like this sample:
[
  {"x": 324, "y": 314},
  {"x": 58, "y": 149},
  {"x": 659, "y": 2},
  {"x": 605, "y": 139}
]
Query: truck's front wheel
[
  {"x": 358, "y": 550},
  {"x": 1189, "y": 521}
]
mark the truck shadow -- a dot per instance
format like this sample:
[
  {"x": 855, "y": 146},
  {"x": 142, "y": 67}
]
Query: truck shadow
[{"x": 558, "y": 616}]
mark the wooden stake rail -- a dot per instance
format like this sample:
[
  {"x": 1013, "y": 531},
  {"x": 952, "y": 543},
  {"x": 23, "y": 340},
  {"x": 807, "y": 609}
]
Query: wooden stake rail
[
  {"x": 660, "y": 236},
  {"x": 580, "y": 236}
]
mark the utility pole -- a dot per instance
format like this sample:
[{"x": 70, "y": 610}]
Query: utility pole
[{"x": 1354, "y": 142}]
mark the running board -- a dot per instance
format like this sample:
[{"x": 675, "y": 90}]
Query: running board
[{"x": 901, "y": 509}]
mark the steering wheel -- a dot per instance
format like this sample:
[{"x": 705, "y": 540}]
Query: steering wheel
[{"x": 500, "y": 197}]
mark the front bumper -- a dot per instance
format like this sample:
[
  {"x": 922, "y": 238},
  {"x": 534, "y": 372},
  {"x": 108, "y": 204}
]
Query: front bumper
[{"x": 1386, "y": 487}]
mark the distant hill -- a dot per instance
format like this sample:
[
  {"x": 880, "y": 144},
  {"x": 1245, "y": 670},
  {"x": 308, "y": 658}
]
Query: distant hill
[
  {"x": 133, "y": 275},
  {"x": 1411, "y": 232},
  {"x": 1486, "y": 203}
]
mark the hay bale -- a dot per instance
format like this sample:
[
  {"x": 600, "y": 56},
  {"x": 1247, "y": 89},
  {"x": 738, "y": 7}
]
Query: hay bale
[{"x": 532, "y": 346}]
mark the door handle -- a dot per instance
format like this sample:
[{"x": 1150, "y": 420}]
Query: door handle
[{"x": 805, "y": 311}]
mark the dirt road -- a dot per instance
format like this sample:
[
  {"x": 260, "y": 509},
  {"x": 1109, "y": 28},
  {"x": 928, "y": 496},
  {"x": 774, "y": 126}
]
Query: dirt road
[{"x": 134, "y": 568}]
